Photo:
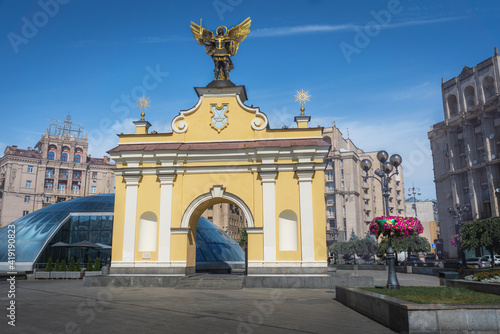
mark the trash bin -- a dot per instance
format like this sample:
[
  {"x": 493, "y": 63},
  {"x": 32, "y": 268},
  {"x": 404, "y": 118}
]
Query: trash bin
[{"x": 447, "y": 275}]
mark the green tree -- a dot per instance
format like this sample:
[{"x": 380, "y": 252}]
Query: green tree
[
  {"x": 49, "y": 267},
  {"x": 78, "y": 266},
  {"x": 97, "y": 264},
  {"x": 71, "y": 266},
  {"x": 366, "y": 248},
  {"x": 413, "y": 244},
  {"x": 479, "y": 233},
  {"x": 89, "y": 265},
  {"x": 63, "y": 265},
  {"x": 57, "y": 266},
  {"x": 243, "y": 237}
]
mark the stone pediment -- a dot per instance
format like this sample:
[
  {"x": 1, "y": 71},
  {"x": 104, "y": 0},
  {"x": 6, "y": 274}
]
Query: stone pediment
[
  {"x": 220, "y": 114},
  {"x": 466, "y": 72}
]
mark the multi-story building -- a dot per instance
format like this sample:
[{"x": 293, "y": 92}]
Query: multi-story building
[
  {"x": 228, "y": 217},
  {"x": 426, "y": 212},
  {"x": 57, "y": 169},
  {"x": 466, "y": 147},
  {"x": 351, "y": 200}
]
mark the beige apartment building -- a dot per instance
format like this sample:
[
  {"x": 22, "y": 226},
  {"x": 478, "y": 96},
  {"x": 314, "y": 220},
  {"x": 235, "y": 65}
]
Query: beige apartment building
[
  {"x": 351, "y": 200},
  {"x": 466, "y": 147},
  {"x": 57, "y": 169},
  {"x": 426, "y": 212},
  {"x": 228, "y": 217}
]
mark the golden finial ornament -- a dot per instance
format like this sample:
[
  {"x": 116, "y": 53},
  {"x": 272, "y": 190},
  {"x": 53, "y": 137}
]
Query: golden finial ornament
[
  {"x": 143, "y": 103},
  {"x": 302, "y": 97}
]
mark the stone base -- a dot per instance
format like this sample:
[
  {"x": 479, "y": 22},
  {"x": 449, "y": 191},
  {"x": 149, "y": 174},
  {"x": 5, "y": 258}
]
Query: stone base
[
  {"x": 152, "y": 270},
  {"x": 287, "y": 270}
]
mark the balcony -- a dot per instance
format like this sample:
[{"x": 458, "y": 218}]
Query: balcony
[
  {"x": 77, "y": 176},
  {"x": 75, "y": 192},
  {"x": 48, "y": 190},
  {"x": 329, "y": 203},
  {"x": 61, "y": 191},
  {"x": 63, "y": 176},
  {"x": 329, "y": 190},
  {"x": 330, "y": 214},
  {"x": 49, "y": 175}
]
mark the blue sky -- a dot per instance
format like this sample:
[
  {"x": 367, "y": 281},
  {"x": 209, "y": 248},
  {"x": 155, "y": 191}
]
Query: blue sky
[{"x": 91, "y": 58}]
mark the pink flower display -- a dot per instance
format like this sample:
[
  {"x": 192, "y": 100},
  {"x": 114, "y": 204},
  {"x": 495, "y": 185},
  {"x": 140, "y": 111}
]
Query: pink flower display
[
  {"x": 396, "y": 226},
  {"x": 456, "y": 240}
]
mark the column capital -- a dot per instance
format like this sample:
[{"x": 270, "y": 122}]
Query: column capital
[
  {"x": 166, "y": 179},
  {"x": 305, "y": 175},
  {"x": 131, "y": 180},
  {"x": 268, "y": 176}
]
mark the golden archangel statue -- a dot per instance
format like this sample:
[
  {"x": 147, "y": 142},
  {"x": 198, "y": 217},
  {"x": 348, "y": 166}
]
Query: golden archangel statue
[{"x": 224, "y": 44}]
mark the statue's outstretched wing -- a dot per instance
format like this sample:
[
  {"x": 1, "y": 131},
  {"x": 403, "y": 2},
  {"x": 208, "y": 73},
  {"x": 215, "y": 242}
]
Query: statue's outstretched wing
[
  {"x": 202, "y": 35},
  {"x": 237, "y": 34}
]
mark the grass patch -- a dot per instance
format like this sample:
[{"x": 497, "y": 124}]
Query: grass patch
[{"x": 438, "y": 295}]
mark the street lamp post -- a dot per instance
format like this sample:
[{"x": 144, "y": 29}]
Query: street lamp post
[
  {"x": 458, "y": 213},
  {"x": 384, "y": 173},
  {"x": 414, "y": 191}
]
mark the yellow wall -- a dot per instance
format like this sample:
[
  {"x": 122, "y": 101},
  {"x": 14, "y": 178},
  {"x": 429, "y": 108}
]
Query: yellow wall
[{"x": 246, "y": 185}]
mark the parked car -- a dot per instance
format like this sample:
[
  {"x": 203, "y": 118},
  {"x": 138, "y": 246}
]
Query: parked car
[
  {"x": 497, "y": 260},
  {"x": 413, "y": 259},
  {"x": 478, "y": 262}
]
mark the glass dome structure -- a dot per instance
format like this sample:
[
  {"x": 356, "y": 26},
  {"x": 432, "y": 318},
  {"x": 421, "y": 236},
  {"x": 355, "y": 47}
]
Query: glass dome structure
[
  {"x": 215, "y": 250},
  {"x": 91, "y": 219}
]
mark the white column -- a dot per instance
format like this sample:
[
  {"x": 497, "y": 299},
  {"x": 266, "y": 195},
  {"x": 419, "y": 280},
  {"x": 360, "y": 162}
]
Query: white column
[
  {"x": 166, "y": 188},
  {"x": 269, "y": 215},
  {"x": 306, "y": 215},
  {"x": 129, "y": 225}
]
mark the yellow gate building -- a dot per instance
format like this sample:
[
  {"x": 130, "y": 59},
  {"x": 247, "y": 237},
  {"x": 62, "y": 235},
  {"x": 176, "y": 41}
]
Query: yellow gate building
[{"x": 220, "y": 151}]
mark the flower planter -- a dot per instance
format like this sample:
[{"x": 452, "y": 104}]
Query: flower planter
[
  {"x": 58, "y": 275},
  {"x": 93, "y": 273},
  {"x": 42, "y": 274},
  {"x": 73, "y": 275}
]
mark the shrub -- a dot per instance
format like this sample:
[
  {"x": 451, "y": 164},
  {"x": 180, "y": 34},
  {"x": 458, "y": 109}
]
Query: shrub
[
  {"x": 57, "y": 266},
  {"x": 97, "y": 264},
  {"x": 49, "y": 267},
  {"x": 89, "y": 266},
  {"x": 78, "y": 266},
  {"x": 71, "y": 266},
  {"x": 63, "y": 266}
]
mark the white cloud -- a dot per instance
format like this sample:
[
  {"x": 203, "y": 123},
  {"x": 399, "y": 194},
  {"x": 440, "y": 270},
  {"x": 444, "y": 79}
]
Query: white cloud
[{"x": 305, "y": 29}]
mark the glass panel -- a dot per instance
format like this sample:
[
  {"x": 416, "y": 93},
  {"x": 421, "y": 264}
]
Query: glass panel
[
  {"x": 84, "y": 223},
  {"x": 83, "y": 235},
  {"x": 106, "y": 237},
  {"x": 95, "y": 236},
  {"x": 107, "y": 223},
  {"x": 95, "y": 223}
]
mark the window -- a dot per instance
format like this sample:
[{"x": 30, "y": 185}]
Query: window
[
  {"x": 329, "y": 175},
  {"x": 78, "y": 158},
  {"x": 343, "y": 210},
  {"x": 49, "y": 184},
  {"x": 330, "y": 187},
  {"x": 30, "y": 169},
  {"x": 341, "y": 163},
  {"x": 342, "y": 173},
  {"x": 94, "y": 175},
  {"x": 329, "y": 200},
  {"x": 25, "y": 212},
  {"x": 51, "y": 156},
  {"x": 28, "y": 184},
  {"x": 93, "y": 190},
  {"x": 49, "y": 173},
  {"x": 27, "y": 199},
  {"x": 47, "y": 199},
  {"x": 64, "y": 157},
  {"x": 469, "y": 96},
  {"x": 77, "y": 175},
  {"x": 342, "y": 185},
  {"x": 331, "y": 213},
  {"x": 397, "y": 183}
]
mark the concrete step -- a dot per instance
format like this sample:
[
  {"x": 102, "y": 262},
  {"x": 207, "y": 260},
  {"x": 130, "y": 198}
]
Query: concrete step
[{"x": 211, "y": 282}]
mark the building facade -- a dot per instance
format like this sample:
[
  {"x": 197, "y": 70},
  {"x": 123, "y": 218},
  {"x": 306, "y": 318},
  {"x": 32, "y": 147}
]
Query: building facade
[
  {"x": 351, "y": 200},
  {"x": 57, "y": 169},
  {"x": 466, "y": 147},
  {"x": 426, "y": 212},
  {"x": 228, "y": 217}
]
